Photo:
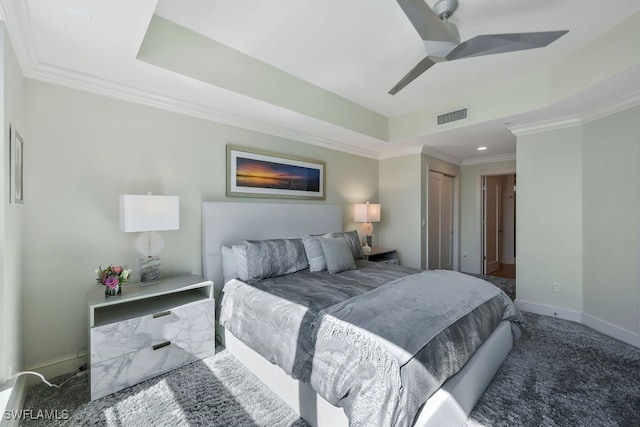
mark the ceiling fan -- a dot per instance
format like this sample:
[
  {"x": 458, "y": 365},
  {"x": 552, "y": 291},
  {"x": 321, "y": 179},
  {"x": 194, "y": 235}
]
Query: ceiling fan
[{"x": 442, "y": 39}]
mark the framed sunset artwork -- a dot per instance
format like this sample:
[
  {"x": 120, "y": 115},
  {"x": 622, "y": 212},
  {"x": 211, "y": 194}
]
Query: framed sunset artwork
[{"x": 256, "y": 173}]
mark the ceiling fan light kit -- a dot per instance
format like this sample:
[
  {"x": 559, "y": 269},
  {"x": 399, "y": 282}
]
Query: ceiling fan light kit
[{"x": 442, "y": 40}]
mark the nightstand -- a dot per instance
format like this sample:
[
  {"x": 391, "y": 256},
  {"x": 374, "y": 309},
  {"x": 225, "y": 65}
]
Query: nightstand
[
  {"x": 147, "y": 331},
  {"x": 387, "y": 256}
]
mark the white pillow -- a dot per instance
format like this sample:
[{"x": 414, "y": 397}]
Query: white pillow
[
  {"x": 240, "y": 252},
  {"x": 229, "y": 267},
  {"x": 314, "y": 253}
]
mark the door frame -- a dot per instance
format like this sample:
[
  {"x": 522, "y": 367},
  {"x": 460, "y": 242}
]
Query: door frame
[
  {"x": 478, "y": 213},
  {"x": 488, "y": 217}
]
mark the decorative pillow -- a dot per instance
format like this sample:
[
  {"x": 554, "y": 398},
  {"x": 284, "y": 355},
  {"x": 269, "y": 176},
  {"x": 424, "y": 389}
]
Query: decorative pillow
[
  {"x": 275, "y": 257},
  {"x": 315, "y": 256},
  {"x": 352, "y": 239},
  {"x": 240, "y": 253},
  {"x": 337, "y": 254},
  {"x": 229, "y": 267}
]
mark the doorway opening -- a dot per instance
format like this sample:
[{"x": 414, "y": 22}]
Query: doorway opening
[{"x": 499, "y": 225}]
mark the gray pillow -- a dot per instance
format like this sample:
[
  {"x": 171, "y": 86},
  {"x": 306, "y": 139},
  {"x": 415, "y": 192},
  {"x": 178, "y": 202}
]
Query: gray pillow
[
  {"x": 337, "y": 254},
  {"x": 275, "y": 257},
  {"x": 229, "y": 267},
  {"x": 240, "y": 253},
  {"x": 352, "y": 239},
  {"x": 315, "y": 256}
]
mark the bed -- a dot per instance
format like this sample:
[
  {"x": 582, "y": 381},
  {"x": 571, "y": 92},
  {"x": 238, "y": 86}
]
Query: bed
[{"x": 323, "y": 341}]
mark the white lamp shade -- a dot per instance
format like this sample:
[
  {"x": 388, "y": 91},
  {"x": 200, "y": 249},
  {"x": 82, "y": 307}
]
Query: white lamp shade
[
  {"x": 149, "y": 213},
  {"x": 366, "y": 212}
]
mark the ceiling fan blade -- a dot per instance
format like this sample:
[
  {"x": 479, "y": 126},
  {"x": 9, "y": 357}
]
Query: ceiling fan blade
[
  {"x": 415, "y": 72},
  {"x": 501, "y": 43},
  {"x": 426, "y": 22}
]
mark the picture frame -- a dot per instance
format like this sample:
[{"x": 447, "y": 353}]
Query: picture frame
[
  {"x": 16, "y": 164},
  {"x": 257, "y": 173}
]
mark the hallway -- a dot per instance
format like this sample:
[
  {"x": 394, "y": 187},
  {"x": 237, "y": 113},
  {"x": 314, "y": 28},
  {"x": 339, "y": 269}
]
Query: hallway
[{"x": 507, "y": 271}]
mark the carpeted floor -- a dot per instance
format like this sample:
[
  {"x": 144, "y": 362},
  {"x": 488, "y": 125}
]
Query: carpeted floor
[{"x": 559, "y": 373}]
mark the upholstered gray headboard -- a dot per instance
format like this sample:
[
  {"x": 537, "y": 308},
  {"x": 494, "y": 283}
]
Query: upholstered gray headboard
[{"x": 227, "y": 223}]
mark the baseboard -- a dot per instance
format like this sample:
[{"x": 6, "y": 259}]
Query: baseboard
[
  {"x": 15, "y": 402},
  {"x": 549, "y": 310},
  {"x": 607, "y": 328},
  {"x": 60, "y": 366}
]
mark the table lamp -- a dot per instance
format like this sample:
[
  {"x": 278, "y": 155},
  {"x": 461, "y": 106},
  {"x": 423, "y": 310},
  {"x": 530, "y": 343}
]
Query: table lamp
[
  {"x": 148, "y": 214},
  {"x": 367, "y": 214}
]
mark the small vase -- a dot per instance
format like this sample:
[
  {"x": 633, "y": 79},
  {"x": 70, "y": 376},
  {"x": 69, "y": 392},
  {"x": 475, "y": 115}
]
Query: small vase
[{"x": 112, "y": 292}]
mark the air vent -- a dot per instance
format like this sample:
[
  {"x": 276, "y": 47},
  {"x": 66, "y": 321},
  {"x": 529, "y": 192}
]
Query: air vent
[{"x": 453, "y": 116}]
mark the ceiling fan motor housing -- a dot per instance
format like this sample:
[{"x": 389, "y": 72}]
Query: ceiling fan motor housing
[{"x": 445, "y": 8}]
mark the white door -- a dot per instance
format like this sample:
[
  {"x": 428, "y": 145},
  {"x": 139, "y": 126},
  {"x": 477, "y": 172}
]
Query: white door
[
  {"x": 492, "y": 191},
  {"x": 440, "y": 211}
]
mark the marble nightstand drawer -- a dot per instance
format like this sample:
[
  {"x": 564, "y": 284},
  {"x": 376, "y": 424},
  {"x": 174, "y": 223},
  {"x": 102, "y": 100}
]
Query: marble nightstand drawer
[
  {"x": 110, "y": 376},
  {"x": 115, "y": 339}
]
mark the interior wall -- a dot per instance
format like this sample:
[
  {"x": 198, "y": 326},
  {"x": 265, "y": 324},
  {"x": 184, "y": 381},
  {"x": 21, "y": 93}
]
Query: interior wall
[
  {"x": 611, "y": 206},
  {"x": 12, "y": 252},
  {"x": 401, "y": 193},
  {"x": 4, "y": 187},
  {"x": 549, "y": 220},
  {"x": 471, "y": 211},
  {"x": 84, "y": 151}
]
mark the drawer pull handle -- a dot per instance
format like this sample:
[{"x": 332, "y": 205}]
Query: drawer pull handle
[
  {"x": 159, "y": 346},
  {"x": 163, "y": 313}
]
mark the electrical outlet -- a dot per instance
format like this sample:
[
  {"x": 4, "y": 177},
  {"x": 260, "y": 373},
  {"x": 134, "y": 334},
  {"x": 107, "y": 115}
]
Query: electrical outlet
[{"x": 556, "y": 287}]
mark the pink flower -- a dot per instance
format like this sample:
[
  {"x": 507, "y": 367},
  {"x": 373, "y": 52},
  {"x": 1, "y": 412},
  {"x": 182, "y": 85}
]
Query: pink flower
[
  {"x": 116, "y": 270},
  {"x": 112, "y": 282}
]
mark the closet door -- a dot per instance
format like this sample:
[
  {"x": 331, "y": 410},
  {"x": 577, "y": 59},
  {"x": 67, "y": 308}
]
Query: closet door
[{"x": 440, "y": 210}]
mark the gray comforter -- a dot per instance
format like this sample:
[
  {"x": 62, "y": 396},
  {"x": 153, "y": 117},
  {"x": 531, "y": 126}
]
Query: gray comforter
[{"x": 377, "y": 341}]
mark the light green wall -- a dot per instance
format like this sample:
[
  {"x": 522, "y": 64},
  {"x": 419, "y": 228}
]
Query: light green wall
[
  {"x": 549, "y": 218},
  {"x": 401, "y": 202},
  {"x": 11, "y": 215},
  {"x": 578, "y": 221},
  {"x": 611, "y": 207},
  {"x": 83, "y": 151},
  {"x": 471, "y": 211}
]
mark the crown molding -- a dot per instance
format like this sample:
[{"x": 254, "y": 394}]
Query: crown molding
[
  {"x": 432, "y": 152},
  {"x": 74, "y": 80},
  {"x": 492, "y": 159},
  {"x": 628, "y": 101},
  {"x": 18, "y": 28},
  {"x": 400, "y": 152},
  {"x": 546, "y": 125}
]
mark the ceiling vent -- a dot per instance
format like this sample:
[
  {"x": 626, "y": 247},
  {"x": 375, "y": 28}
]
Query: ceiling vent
[{"x": 453, "y": 116}]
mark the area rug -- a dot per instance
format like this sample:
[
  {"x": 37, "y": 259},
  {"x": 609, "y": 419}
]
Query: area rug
[{"x": 217, "y": 391}]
